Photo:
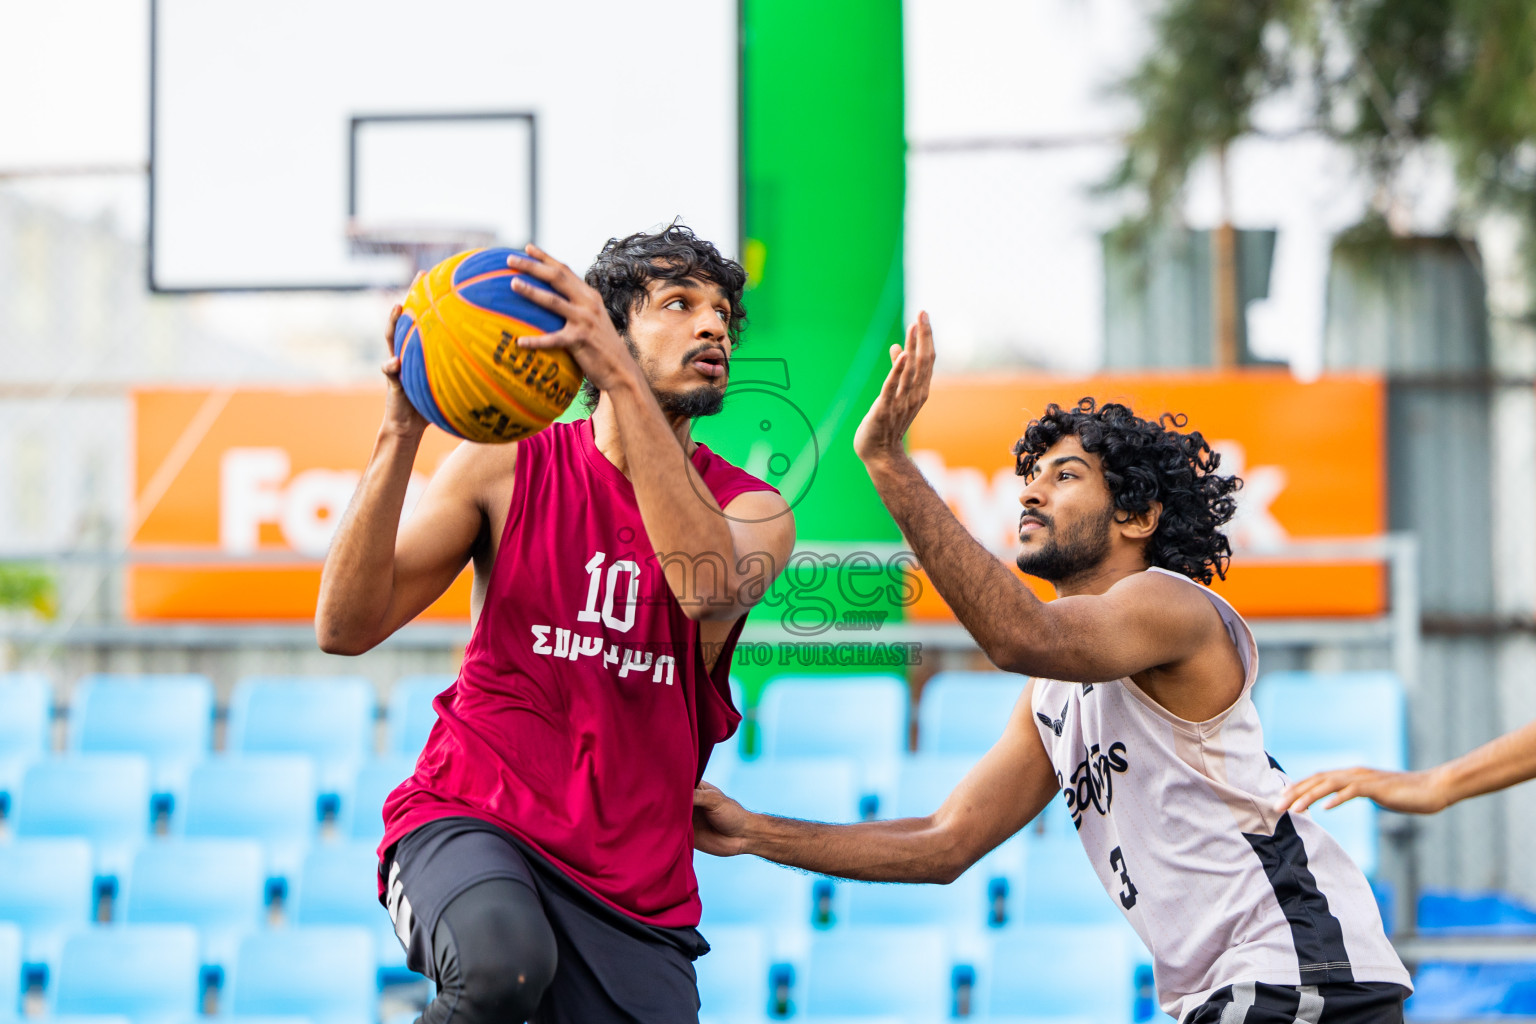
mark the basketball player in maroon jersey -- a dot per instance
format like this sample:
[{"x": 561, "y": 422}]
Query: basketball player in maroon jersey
[{"x": 538, "y": 863}]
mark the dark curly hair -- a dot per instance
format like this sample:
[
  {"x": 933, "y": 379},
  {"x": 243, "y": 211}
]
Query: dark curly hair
[
  {"x": 626, "y": 265},
  {"x": 1146, "y": 461}
]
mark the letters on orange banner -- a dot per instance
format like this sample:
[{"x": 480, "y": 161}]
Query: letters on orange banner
[
  {"x": 222, "y": 475},
  {"x": 1311, "y": 455}
]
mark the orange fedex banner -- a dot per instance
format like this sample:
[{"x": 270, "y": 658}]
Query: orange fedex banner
[
  {"x": 1312, "y": 457},
  {"x": 237, "y": 493}
]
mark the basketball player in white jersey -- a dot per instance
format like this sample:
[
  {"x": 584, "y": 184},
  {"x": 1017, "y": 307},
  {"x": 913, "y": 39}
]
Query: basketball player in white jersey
[{"x": 1138, "y": 713}]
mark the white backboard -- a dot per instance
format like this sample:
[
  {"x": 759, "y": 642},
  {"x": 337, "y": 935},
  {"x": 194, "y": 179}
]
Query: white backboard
[{"x": 275, "y": 125}]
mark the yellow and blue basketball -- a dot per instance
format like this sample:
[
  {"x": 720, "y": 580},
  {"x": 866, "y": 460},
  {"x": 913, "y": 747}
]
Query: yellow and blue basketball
[{"x": 460, "y": 362}]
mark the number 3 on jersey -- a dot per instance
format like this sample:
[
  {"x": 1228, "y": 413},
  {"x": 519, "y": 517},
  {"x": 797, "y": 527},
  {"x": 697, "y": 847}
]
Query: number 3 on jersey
[
  {"x": 1117, "y": 863},
  {"x": 631, "y": 596}
]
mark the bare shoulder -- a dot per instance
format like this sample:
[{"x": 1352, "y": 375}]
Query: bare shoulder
[
  {"x": 1158, "y": 587},
  {"x": 485, "y": 460},
  {"x": 1157, "y": 596},
  {"x": 478, "y": 472}
]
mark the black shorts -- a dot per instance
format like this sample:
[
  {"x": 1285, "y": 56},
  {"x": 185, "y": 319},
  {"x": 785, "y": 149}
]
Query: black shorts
[
  {"x": 1339, "y": 1002},
  {"x": 609, "y": 966}
]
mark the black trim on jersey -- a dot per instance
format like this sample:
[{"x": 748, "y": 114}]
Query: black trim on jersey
[
  {"x": 1278, "y": 1001},
  {"x": 1369, "y": 1002},
  {"x": 1272, "y": 762},
  {"x": 1318, "y": 936}
]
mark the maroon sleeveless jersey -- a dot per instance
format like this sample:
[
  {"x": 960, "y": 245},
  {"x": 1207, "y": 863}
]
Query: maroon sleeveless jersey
[{"x": 583, "y": 715}]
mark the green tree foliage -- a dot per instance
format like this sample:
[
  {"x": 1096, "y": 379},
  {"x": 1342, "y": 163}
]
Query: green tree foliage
[
  {"x": 27, "y": 588},
  {"x": 1386, "y": 77},
  {"x": 1208, "y": 67}
]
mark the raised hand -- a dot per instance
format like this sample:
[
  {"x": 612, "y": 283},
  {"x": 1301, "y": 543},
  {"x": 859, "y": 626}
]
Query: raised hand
[
  {"x": 1408, "y": 792},
  {"x": 903, "y": 394},
  {"x": 588, "y": 334},
  {"x": 400, "y": 415},
  {"x": 718, "y": 822}
]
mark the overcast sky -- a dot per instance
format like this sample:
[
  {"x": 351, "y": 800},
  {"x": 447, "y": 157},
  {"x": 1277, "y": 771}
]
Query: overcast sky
[{"x": 1002, "y": 244}]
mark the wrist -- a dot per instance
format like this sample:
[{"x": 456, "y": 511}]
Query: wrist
[
  {"x": 754, "y": 834},
  {"x": 401, "y": 436},
  {"x": 888, "y": 463},
  {"x": 1443, "y": 786}
]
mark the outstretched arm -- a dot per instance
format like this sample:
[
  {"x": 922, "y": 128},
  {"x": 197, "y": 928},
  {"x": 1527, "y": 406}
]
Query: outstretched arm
[
  {"x": 1498, "y": 764},
  {"x": 1141, "y": 622},
  {"x": 1004, "y": 791}
]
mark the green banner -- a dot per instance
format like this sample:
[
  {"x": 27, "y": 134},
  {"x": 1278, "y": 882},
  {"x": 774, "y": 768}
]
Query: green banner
[{"x": 824, "y": 174}]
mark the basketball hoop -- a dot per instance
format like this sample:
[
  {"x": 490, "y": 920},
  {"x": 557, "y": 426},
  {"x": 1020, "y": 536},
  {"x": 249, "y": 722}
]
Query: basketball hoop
[{"x": 425, "y": 245}]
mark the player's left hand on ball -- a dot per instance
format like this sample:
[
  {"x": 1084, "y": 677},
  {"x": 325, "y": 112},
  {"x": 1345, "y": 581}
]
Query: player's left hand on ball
[
  {"x": 903, "y": 394},
  {"x": 588, "y": 334},
  {"x": 400, "y": 415},
  {"x": 719, "y": 823}
]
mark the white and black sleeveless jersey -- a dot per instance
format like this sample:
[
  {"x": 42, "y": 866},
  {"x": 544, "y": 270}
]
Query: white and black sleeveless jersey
[{"x": 1178, "y": 820}]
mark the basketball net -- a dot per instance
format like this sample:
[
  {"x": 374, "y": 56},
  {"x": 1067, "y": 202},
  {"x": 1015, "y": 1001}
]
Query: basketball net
[{"x": 424, "y": 245}]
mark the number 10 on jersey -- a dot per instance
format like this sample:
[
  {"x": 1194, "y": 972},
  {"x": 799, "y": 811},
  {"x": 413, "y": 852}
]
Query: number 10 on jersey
[{"x": 623, "y": 573}]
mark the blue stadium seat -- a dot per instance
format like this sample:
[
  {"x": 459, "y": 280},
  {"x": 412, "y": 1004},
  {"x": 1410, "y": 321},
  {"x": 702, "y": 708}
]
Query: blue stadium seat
[
  {"x": 812, "y": 788},
  {"x": 867, "y": 971},
  {"x": 148, "y": 973},
  {"x": 100, "y": 797},
  {"x": 1059, "y": 886},
  {"x": 1361, "y": 713},
  {"x": 723, "y": 762},
  {"x": 338, "y": 885},
  {"x": 328, "y": 718},
  {"x": 324, "y": 974},
  {"x": 215, "y": 885},
  {"x": 1353, "y": 824},
  {"x": 752, "y": 891},
  {"x": 362, "y": 809},
  {"x": 963, "y": 903},
  {"x": 1061, "y": 971},
  {"x": 1473, "y": 991},
  {"x": 924, "y": 781},
  {"x": 10, "y": 971},
  {"x": 733, "y": 975},
  {"x": 26, "y": 707},
  {"x": 965, "y": 712},
  {"x": 411, "y": 714},
  {"x": 266, "y": 798},
  {"x": 47, "y": 888},
  {"x": 166, "y": 718},
  {"x": 1453, "y": 912},
  {"x": 834, "y": 716},
  {"x": 1385, "y": 894}
]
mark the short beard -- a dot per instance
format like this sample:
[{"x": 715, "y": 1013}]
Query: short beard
[
  {"x": 702, "y": 401},
  {"x": 1081, "y": 551}
]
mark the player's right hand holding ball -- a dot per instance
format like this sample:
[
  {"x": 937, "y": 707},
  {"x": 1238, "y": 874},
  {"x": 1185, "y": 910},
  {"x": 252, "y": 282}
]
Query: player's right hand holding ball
[
  {"x": 588, "y": 335},
  {"x": 1408, "y": 792}
]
